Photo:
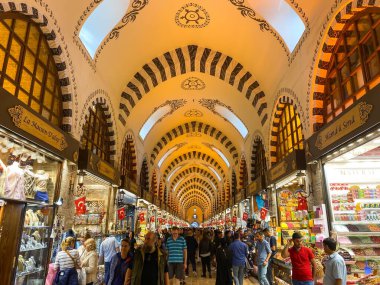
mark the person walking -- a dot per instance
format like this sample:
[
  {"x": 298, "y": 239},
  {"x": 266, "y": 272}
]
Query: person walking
[
  {"x": 303, "y": 262},
  {"x": 120, "y": 263},
  {"x": 263, "y": 254},
  {"x": 89, "y": 261},
  {"x": 108, "y": 248},
  {"x": 205, "y": 247},
  {"x": 273, "y": 246},
  {"x": 66, "y": 263},
  {"x": 192, "y": 246},
  {"x": 335, "y": 267},
  {"x": 239, "y": 254},
  {"x": 177, "y": 256},
  {"x": 223, "y": 264},
  {"x": 149, "y": 265}
]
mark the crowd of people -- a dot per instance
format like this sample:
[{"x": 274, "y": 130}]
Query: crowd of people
[{"x": 169, "y": 255}]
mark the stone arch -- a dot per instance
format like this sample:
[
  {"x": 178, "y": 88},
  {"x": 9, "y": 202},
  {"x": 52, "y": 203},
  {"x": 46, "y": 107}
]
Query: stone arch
[
  {"x": 196, "y": 180},
  {"x": 192, "y": 58},
  {"x": 324, "y": 53},
  {"x": 59, "y": 50},
  {"x": 193, "y": 155},
  {"x": 195, "y": 186},
  {"x": 233, "y": 183},
  {"x": 191, "y": 127},
  {"x": 94, "y": 99},
  {"x": 144, "y": 177},
  {"x": 191, "y": 170},
  {"x": 243, "y": 173},
  {"x": 258, "y": 142},
  {"x": 161, "y": 193},
  {"x": 278, "y": 110},
  {"x": 129, "y": 159},
  {"x": 154, "y": 184}
]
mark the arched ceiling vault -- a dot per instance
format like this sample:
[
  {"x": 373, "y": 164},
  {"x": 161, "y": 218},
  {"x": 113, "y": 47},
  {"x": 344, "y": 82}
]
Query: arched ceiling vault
[
  {"x": 196, "y": 186},
  {"x": 185, "y": 172}
]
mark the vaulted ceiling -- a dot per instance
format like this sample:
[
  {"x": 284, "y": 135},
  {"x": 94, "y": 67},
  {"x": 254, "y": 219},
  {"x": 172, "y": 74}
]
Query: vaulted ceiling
[{"x": 203, "y": 69}]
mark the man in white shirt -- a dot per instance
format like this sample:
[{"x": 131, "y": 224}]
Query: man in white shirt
[
  {"x": 335, "y": 267},
  {"x": 108, "y": 248}
]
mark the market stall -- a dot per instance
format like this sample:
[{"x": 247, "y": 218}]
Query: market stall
[
  {"x": 33, "y": 154},
  {"x": 347, "y": 151}
]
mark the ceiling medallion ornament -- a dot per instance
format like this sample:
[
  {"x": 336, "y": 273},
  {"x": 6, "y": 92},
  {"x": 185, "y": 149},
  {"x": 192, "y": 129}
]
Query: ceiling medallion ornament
[
  {"x": 192, "y": 16},
  {"x": 211, "y": 103},
  {"x": 193, "y": 83},
  {"x": 193, "y": 113},
  {"x": 174, "y": 105}
]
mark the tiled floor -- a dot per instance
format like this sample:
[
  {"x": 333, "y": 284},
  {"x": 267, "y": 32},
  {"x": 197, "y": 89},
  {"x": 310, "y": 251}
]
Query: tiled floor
[{"x": 211, "y": 281}]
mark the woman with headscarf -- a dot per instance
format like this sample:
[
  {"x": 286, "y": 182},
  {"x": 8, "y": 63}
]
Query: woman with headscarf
[
  {"x": 89, "y": 261},
  {"x": 223, "y": 264},
  {"x": 66, "y": 263}
]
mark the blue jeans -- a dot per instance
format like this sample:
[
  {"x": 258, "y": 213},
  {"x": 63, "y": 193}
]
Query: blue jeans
[
  {"x": 295, "y": 282},
  {"x": 67, "y": 276},
  {"x": 270, "y": 272},
  {"x": 107, "y": 268},
  {"x": 262, "y": 272},
  {"x": 238, "y": 274}
]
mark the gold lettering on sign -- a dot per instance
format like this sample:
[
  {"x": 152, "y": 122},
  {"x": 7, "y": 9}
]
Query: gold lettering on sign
[
  {"x": 350, "y": 121},
  {"x": 278, "y": 170},
  {"x": 252, "y": 188},
  {"x": 30, "y": 123},
  {"x": 105, "y": 169}
]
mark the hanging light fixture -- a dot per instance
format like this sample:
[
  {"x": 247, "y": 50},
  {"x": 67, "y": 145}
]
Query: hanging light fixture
[
  {"x": 81, "y": 176},
  {"x": 301, "y": 176}
]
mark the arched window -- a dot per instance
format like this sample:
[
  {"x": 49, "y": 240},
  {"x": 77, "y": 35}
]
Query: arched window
[
  {"x": 259, "y": 162},
  {"x": 27, "y": 67},
  {"x": 354, "y": 66},
  {"x": 289, "y": 137},
  {"x": 144, "y": 177},
  {"x": 96, "y": 136},
  {"x": 128, "y": 160}
]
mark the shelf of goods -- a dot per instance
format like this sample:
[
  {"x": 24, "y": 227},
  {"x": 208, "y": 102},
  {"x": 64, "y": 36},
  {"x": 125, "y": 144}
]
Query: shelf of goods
[
  {"x": 356, "y": 221},
  {"x": 282, "y": 270}
]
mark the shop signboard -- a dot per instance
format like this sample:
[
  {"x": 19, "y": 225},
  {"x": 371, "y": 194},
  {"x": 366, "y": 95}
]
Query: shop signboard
[
  {"x": 129, "y": 185},
  {"x": 293, "y": 162},
  {"x": 25, "y": 122},
  {"x": 239, "y": 195},
  {"x": 255, "y": 187},
  {"x": 148, "y": 196},
  {"x": 363, "y": 115},
  {"x": 97, "y": 166}
]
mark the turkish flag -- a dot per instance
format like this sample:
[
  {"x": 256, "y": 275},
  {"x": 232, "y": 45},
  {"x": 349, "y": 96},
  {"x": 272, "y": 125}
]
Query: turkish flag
[
  {"x": 245, "y": 216},
  {"x": 121, "y": 213},
  {"x": 80, "y": 205},
  {"x": 152, "y": 219},
  {"x": 142, "y": 217},
  {"x": 234, "y": 219},
  {"x": 263, "y": 213}
]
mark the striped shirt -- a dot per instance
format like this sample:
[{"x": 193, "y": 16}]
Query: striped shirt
[
  {"x": 63, "y": 260},
  {"x": 175, "y": 248}
]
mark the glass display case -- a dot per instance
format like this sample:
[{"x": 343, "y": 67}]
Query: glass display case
[{"x": 34, "y": 244}]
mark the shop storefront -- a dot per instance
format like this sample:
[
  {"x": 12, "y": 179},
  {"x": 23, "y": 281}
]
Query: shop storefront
[
  {"x": 33, "y": 156},
  {"x": 347, "y": 151},
  {"x": 95, "y": 207},
  {"x": 288, "y": 183}
]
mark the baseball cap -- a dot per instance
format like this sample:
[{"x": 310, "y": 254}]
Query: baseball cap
[{"x": 296, "y": 235}]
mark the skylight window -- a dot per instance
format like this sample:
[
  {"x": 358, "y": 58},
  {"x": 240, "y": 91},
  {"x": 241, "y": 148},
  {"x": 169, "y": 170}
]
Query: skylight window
[
  {"x": 174, "y": 171},
  {"x": 158, "y": 114},
  {"x": 233, "y": 119},
  {"x": 101, "y": 21},
  {"x": 221, "y": 155},
  {"x": 283, "y": 18},
  {"x": 169, "y": 152},
  {"x": 214, "y": 171}
]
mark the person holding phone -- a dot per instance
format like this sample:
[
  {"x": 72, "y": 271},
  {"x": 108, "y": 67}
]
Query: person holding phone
[{"x": 303, "y": 262}]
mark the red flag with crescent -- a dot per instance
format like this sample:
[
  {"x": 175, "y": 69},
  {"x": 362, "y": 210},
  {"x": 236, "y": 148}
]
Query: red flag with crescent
[
  {"x": 142, "y": 217},
  {"x": 263, "y": 213},
  {"x": 80, "y": 205},
  {"x": 121, "y": 213},
  {"x": 245, "y": 216}
]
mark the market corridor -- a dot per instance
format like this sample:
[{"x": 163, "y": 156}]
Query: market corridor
[{"x": 211, "y": 281}]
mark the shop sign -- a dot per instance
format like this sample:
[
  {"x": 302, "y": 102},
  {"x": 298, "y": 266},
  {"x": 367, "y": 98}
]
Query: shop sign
[
  {"x": 33, "y": 125},
  {"x": 22, "y": 120},
  {"x": 238, "y": 196},
  {"x": 292, "y": 162},
  {"x": 255, "y": 186},
  {"x": 105, "y": 169},
  {"x": 363, "y": 115},
  {"x": 346, "y": 124},
  {"x": 148, "y": 196}
]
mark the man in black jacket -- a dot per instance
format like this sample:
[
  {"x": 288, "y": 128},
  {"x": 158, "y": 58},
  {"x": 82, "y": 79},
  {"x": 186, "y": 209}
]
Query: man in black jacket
[{"x": 192, "y": 246}]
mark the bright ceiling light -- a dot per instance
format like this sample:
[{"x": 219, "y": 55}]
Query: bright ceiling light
[
  {"x": 158, "y": 114},
  {"x": 283, "y": 18},
  {"x": 233, "y": 119},
  {"x": 214, "y": 171},
  {"x": 221, "y": 155},
  {"x": 100, "y": 23},
  {"x": 174, "y": 171}
]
